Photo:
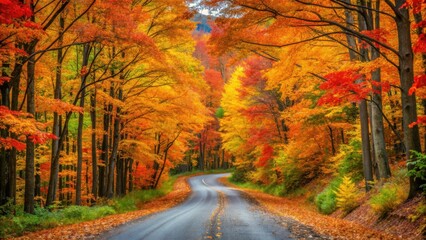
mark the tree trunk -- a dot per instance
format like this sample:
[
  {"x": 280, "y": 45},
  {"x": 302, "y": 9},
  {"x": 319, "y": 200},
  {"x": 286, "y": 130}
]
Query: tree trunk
[
  {"x": 409, "y": 105},
  {"x": 419, "y": 18},
  {"x": 94, "y": 158},
  {"x": 119, "y": 177},
  {"x": 6, "y": 181},
  {"x": 29, "y": 159},
  {"x": 54, "y": 166},
  {"x": 104, "y": 154},
  {"x": 86, "y": 53},
  {"x": 333, "y": 149},
  {"x": 131, "y": 175},
  {"x": 363, "y": 113},
  {"x": 114, "y": 152}
]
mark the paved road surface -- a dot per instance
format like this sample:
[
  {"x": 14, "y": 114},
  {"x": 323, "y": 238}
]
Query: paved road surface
[{"x": 213, "y": 211}]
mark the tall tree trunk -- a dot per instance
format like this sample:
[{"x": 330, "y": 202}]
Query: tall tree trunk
[
  {"x": 86, "y": 53},
  {"x": 201, "y": 158},
  {"x": 94, "y": 160},
  {"x": 29, "y": 159},
  {"x": 363, "y": 112},
  {"x": 105, "y": 151},
  {"x": 419, "y": 18},
  {"x": 333, "y": 148},
  {"x": 406, "y": 74},
  {"x": 119, "y": 177},
  {"x": 377, "y": 127},
  {"x": 6, "y": 181},
  {"x": 54, "y": 166},
  {"x": 131, "y": 175},
  {"x": 114, "y": 152},
  {"x": 156, "y": 165}
]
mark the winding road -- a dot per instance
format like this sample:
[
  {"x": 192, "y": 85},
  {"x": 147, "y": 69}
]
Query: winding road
[{"x": 213, "y": 211}]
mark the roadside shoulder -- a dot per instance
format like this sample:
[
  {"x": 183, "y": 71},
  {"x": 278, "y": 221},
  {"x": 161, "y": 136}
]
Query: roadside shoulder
[{"x": 325, "y": 225}]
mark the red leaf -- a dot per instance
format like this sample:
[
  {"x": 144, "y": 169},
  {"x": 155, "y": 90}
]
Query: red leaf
[
  {"x": 419, "y": 81},
  {"x": 420, "y": 120},
  {"x": 343, "y": 85},
  {"x": 267, "y": 154},
  {"x": 420, "y": 45},
  {"x": 377, "y": 34},
  {"x": 10, "y": 142}
]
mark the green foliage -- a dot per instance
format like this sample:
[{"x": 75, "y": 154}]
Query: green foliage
[
  {"x": 351, "y": 163},
  {"x": 43, "y": 218},
  {"x": 388, "y": 198},
  {"x": 347, "y": 195},
  {"x": 275, "y": 189},
  {"x": 417, "y": 168},
  {"x": 9, "y": 208},
  {"x": 125, "y": 204},
  {"x": 220, "y": 112},
  {"x": 292, "y": 174},
  {"x": 326, "y": 200},
  {"x": 240, "y": 175}
]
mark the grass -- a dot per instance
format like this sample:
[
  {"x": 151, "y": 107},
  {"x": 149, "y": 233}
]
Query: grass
[
  {"x": 391, "y": 194},
  {"x": 273, "y": 189}
]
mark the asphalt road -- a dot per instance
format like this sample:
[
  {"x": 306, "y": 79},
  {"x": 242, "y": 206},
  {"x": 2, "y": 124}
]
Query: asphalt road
[{"x": 213, "y": 211}]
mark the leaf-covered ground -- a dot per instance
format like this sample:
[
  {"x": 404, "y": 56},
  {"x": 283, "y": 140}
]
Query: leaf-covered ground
[
  {"x": 91, "y": 229},
  {"x": 326, "y": 225}
]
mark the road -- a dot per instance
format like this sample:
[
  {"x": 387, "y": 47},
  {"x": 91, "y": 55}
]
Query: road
[{"x": 213, "y": 211}]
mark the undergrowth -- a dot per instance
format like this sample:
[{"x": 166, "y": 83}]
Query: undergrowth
[
  {"x": 391, "y": 194},
  {"x": 20, "y": 222}
]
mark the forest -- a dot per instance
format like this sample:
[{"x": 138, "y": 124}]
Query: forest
[{"x": 101, "y": 98}]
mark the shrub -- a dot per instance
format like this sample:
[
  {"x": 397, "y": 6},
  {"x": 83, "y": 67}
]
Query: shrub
[
  {"x": 326, "y": 200},
  {"x": 240, "y": 175},
  {"x": 417, "y": 168},
  {"x": 347, "y": 195},
  {"x": 125, "y": 204},
  {"x": 276, "y": 189},
  {"x": 351, "y": 163},
  {"x": 74, "y": 212},
  {"x": 388, "y": 198}
]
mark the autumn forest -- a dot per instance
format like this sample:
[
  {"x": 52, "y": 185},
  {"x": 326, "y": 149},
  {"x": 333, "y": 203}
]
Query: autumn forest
[{"x": 102, "y": 98}]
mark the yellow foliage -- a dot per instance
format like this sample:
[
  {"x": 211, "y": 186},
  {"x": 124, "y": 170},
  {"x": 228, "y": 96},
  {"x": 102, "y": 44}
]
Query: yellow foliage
[{"x": 347, "y": 195}]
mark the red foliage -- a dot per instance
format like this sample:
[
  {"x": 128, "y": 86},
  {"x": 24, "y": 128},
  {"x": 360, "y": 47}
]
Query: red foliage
[
  {"x": 343, "y": 86},
  {"x": 377, "y": 34},
  {"x": 419, "y": 81},
  {"x": 267, "y": 154},
  {"x": 256, "y": 111},
  {"x": 9, "y": 143},
  {"x": 214, "y": 79},
  {"x": 420, "y": 45},
  {"x": 42, "y": 137},
  {"x": 5, "y": 111},
  {"x": 421, "y": 24},
  {"x": 11, "y": 10},
  {"x": 420, "y": 120},
  {"x": 142, "y": 176},
  {"x": 4, "y": 79},
  {"x": 253, "y": 71},
  {"x": 416, "y": 5},
  {"x": 260, "y": 135}
]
